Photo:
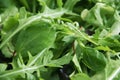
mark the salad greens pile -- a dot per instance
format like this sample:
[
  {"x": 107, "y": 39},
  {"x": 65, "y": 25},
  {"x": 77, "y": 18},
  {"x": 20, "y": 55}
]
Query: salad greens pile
[{"x": 59, "y": 40}]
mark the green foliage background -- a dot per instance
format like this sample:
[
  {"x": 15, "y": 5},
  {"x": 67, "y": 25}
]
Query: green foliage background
[{"x": 59, "y": 39}]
